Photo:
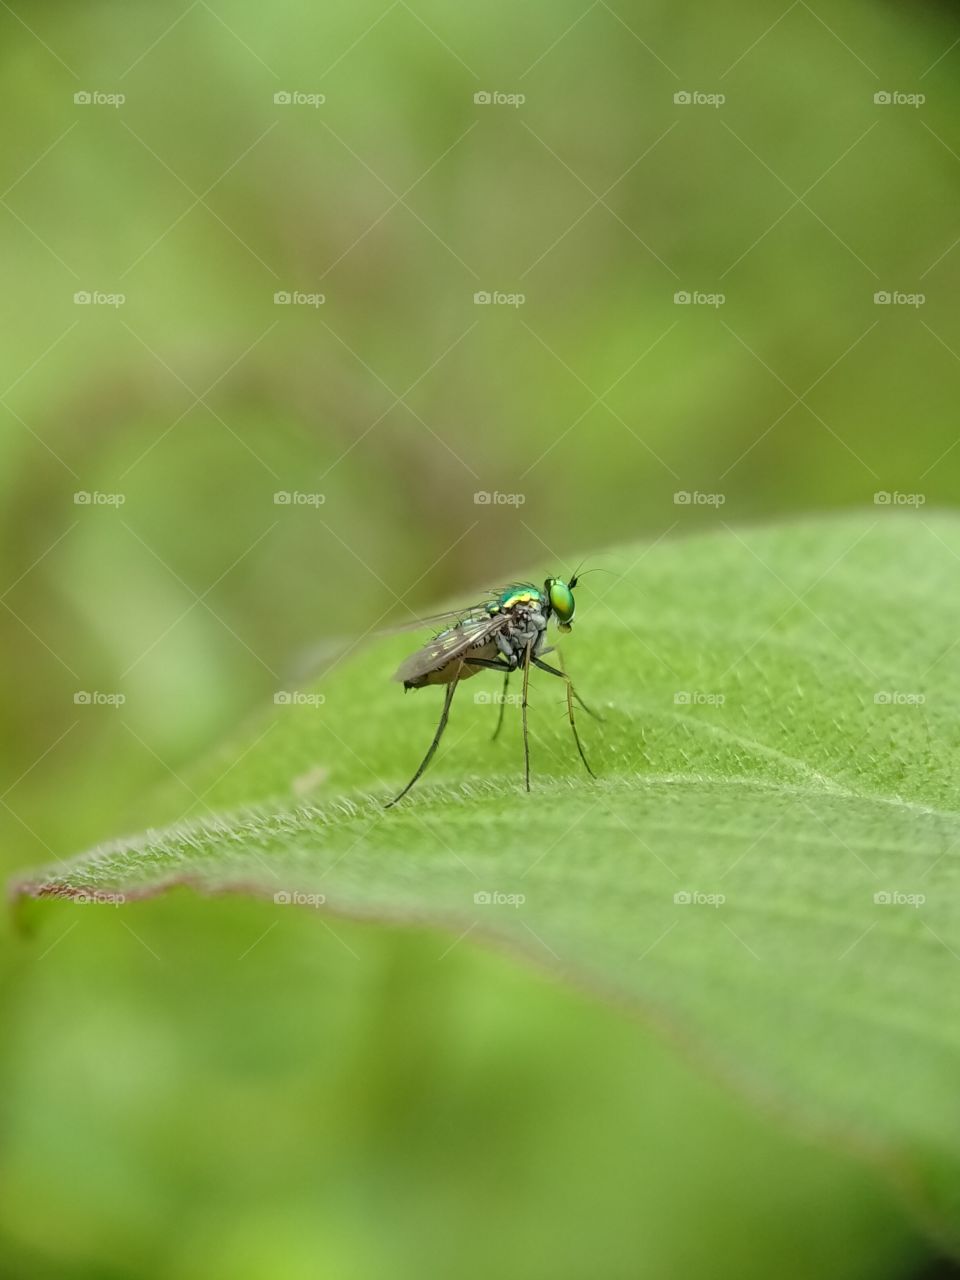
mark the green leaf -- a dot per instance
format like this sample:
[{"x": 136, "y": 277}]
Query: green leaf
[{"x": 766, "y": 868}]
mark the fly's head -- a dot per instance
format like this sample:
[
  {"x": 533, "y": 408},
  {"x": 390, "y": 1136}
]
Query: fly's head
[{"x": 560, "y": 596}]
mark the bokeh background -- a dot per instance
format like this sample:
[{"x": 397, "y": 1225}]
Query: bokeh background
[{"x": 721, "y": 248}]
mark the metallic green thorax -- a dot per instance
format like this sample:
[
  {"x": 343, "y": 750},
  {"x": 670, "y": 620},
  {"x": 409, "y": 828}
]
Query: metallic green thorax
[
  {"x": 516, "y": 593},
  {"x": 556, "y": 595}
]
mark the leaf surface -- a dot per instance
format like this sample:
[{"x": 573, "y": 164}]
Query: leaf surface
[{"x": 767, "y": 866}]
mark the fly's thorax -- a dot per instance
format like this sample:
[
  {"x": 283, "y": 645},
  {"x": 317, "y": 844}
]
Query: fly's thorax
[
  {"x": 520, "y": 595},
  {"x": 535, "y": 624},
  {"x": 526, "y": 628}
]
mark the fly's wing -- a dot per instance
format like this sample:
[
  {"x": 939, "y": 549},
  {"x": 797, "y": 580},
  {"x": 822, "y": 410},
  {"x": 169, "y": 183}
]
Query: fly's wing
[
  {"x": 431, "y": 619},
  {"x": 456, "y": 616},
  {"x": 310, "y": 662},
  {"x": 449, "y": 645}
]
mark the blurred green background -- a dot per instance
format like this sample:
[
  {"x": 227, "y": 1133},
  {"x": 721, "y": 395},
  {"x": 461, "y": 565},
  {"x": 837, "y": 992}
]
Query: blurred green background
[{"x": 189, "y": 1088}]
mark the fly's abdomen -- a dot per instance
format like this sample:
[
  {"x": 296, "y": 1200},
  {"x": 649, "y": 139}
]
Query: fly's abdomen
[{"x": 455, "y": 667}]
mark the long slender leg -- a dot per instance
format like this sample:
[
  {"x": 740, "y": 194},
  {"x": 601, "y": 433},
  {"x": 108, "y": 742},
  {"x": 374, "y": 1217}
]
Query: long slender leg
[
  {"x": 487, "y": 664},
  {"x": 545, "y": 666},
  {"x": 494, "y": 665},
  {"x": 563, "y": 671},
  {"x": 444, "y": 715},
  {"x": 526, "y": 740},
  {"x": 503, "y": 705}
]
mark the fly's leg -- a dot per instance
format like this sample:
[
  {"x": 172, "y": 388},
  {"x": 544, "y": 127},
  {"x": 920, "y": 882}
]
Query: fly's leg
[
  {"x": 503, "y": 644},
  {"x": 526, "y": 740},
  {"x": 596, "y": 715},
  {"x": 571, "y": 694},
  {"x": 489, "y": 665},
  {"x": 444, "y": 716},
  {"x": 503, "y": 707}
]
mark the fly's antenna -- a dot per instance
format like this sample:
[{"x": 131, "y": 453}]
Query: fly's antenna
[{"x": 582, "y": 573}]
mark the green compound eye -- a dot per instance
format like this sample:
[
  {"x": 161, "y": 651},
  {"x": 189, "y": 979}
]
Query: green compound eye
[{"x": 561, "y": 601}]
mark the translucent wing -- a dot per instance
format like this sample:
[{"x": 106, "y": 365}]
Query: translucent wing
[
  {"x": 450, "y": 644},
  {"x": 431, "y": 619},
  {"x": 467, "y": 613},
  {"x": 310, "y": 661}
]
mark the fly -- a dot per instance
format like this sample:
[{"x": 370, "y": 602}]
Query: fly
[{"x": 506, "y": 633}]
